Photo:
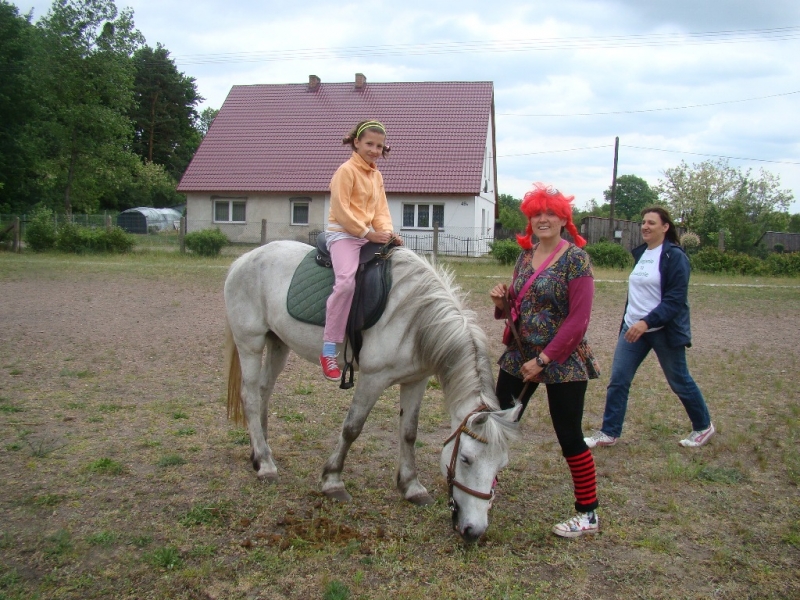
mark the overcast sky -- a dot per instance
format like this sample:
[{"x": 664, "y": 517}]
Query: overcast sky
[{"x": 689, "y": 80}]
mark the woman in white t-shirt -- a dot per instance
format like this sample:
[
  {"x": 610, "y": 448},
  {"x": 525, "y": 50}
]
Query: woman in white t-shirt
[{"x": 656, "y": 318}]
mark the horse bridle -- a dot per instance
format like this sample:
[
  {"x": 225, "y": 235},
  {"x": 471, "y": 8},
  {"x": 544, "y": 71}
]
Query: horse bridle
[{"x": 451, "y": 468}]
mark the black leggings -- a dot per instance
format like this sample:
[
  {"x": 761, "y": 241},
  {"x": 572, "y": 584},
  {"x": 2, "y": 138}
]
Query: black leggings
[{"x": 566, "y": 407}]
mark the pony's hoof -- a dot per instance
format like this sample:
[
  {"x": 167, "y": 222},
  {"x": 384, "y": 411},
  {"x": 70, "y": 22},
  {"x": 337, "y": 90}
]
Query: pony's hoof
[
  {"x": 269, "y": 477},
  {"x": 340, "y": 495},
  {"x": 421, "y": 500}
]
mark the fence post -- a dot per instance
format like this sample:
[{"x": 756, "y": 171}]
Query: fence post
[
  {"x": 16, "y": 247},
  {"x": 435, "y": 241},
  {"x": 721, "y": 241},
  {"x": 108, "y": 222},
  {"x": 263, "y": 231},
  {"x": 182, "y": 235}
]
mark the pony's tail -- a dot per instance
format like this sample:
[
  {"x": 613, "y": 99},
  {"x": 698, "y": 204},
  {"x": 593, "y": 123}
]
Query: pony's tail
[{"x": 233, "y": 375}]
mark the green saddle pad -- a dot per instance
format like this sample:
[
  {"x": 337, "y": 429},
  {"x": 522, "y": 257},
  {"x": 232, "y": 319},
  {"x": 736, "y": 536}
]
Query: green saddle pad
[{"x": 308, "y": 293}]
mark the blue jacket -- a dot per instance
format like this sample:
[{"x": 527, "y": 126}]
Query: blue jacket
[{"x": 673, "y": 312}]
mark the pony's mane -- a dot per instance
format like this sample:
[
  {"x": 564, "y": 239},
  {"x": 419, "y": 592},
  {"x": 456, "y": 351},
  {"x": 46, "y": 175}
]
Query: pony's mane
[{"x": 447, "y": 335}]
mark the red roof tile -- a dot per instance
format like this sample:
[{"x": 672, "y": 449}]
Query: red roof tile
[{"x": 286, "y": 138}]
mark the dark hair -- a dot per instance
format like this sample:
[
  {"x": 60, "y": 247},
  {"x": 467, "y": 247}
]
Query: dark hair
[
  {"x": 671, "y": 233},
  {"x": 353, "y": 135}
]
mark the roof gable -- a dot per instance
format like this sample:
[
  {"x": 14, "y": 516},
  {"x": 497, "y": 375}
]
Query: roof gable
[{"x": 288, "y": 138}]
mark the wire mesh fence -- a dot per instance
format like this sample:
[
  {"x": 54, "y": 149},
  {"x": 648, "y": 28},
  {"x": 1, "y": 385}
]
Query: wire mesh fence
[{"x": 450, "y": 241}]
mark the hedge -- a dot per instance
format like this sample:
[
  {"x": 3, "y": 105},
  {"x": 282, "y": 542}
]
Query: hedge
[{"x": 206, "y": 242}]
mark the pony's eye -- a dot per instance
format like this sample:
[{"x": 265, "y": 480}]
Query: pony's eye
[{"x": 466, "y": 460}]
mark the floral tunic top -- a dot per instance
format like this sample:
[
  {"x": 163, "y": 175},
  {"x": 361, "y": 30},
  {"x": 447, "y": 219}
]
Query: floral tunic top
[{"x": 543, "y": 310}]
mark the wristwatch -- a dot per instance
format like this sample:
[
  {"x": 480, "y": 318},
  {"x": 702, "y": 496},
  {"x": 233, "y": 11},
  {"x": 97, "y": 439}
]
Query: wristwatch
[{"x": 540, "y": 362}]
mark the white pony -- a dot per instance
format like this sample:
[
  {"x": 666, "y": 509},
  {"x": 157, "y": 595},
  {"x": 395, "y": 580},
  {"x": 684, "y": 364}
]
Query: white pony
[{"x": 425, "y": 330}]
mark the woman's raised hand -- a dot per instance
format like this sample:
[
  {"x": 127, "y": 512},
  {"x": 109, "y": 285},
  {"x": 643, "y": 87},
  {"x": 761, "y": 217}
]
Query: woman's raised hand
[{"x": 497, "y": 294}]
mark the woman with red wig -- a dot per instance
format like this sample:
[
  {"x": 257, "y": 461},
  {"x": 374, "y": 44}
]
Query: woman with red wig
[{"x": 550, "y": 298}]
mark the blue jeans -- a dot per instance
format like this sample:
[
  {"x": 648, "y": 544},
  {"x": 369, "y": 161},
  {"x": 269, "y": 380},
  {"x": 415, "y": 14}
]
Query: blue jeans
[{"x": 627, "y": 358}]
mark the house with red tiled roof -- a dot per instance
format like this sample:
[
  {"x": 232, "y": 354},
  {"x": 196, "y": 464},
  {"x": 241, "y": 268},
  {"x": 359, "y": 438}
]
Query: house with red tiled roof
[{"x": 268, "y": 158}]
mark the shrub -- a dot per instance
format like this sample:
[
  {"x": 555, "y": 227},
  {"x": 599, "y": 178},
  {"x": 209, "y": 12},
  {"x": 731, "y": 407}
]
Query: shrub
[
  {"x": 784, "y": 265},
  {"x": 607, "y": 254},
  {"x": 711, "y": 260},
  {"x": 40, "y": 232},
  {"x": 690, "y": 242},
  {"x": 505, "y": 251},
  {"x": 207, "y": 242},
  {"x": 81, "y": 240}
]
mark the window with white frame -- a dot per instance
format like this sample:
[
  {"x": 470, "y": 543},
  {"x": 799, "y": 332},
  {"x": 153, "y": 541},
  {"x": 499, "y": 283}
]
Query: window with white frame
[
  {"x": 300, "y": 208},
  {"x": 423, "y": 216},
  {"x": 230, "y": 210}
]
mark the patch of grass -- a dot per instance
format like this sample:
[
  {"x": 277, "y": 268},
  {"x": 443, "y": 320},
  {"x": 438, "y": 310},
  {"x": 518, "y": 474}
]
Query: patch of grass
[
  {"x": 43, "y": 446},
  {"x": 179, "y": 415},
  {"x": 304, "y": 389},
  {"x": 47, "y": 500},
  {"x": 9, "y": 579},
  {"x": 14, "y": 447},
  {"x": 792, "y": 537},
  {"x": 336, "y": 590},
  {"x": 185, "y": 431},
  {"x": 203, "y": 551},
  {"x": 205, "y": 514},
  {"x": 239, "y": 437},
  {"x": 170, "y": 460},
  {"x": 293, "y": 417},
  {"x": 102, "y": 538},
  {"x": 15, "y": 372},
  {"x": 166, "y": 557},
  {"x": 77, "y": 374},
  {"x": 10, "y": 408},
  {"x": 112, "y": 408},
  {"x": 140, "y": 541},
  {"x": 95, "y": 419},
  {"x": 657, "y": 543},
  {"x": 106, "y": 466},
  {"x": 76, "y": 405},
  {"x": 719, "y": 474},
  {"x": 59, "y": 543}
]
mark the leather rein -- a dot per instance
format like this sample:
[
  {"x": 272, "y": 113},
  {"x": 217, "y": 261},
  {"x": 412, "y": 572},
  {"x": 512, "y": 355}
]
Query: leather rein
[{"x": 451, "y": 468}]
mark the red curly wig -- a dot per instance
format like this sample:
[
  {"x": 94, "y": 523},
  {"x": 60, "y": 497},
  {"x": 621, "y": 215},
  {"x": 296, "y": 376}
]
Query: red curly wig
[{"x": 545, "y": 197}]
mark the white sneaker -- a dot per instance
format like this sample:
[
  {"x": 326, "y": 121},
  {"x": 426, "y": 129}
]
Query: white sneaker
[
  {"x": 598, "y": 438},
  {"x": 698, "y": 438},
  {"x": 580, "y": 524}
]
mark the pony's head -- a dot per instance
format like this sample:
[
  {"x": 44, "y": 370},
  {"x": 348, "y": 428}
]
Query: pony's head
[{"x": 471, "y": 459}]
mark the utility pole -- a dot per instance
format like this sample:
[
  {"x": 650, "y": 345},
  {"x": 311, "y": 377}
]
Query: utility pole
[{"x": 613, "y": 190}]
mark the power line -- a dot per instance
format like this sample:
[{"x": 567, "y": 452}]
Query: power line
[
  {"x": 646, "y": 110},
  {"x": 779, "y": 162},
  {"x": 519, "y": 45}
]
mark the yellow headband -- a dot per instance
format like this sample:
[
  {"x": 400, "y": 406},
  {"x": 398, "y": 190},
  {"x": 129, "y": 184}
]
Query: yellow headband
[{"x": 369, "y": 124}]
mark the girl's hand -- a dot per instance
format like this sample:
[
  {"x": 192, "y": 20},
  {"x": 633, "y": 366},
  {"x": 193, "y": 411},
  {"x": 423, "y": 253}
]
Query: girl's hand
[
  {"x": 497, "y": 294},
  {"x": 379, "y": 237}
]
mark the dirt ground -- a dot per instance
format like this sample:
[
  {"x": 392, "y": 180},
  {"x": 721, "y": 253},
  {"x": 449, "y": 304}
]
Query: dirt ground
[{"x": 95, "y": 365}]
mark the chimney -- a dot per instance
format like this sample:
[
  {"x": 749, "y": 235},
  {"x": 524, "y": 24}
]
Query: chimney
[
  {"x": 361, "y": 81},
  {"x": 313, "y": 83}
]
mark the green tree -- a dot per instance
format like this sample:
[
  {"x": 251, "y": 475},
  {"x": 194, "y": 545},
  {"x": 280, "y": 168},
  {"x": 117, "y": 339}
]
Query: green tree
[
  {"x": 85, "y": 82},
  {"x": 510, "y": 216},
  {"x": 18, "y": 106},
  {"x": 206, "y": 119},
  {"x": 632, "y": 195},
  {"x": 794, "y": 223},
  {"x": 164, "y": 112},
  {"x": 713, "y": 196},
  {"x": 689, "y": 191}
]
